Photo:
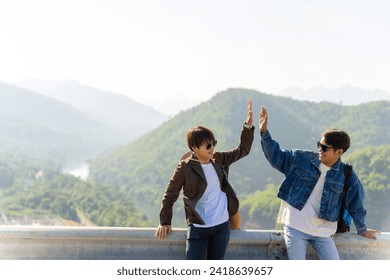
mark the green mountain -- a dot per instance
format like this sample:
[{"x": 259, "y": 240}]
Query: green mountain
[{"x": 144, "y": 167}]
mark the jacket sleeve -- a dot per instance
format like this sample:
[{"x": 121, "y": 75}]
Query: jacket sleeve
[
  {"x": 242, "y": 150},
  {"x": 278, "y": 158},
  {"x": 171, "y": 194},
  {"x": 355, "y": 204}
]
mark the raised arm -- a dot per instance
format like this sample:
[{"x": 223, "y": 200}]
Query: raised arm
[{"x": 279, "y": 159}]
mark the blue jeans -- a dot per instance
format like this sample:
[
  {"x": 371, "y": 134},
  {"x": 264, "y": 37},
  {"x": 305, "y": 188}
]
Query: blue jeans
[
  {"x": 297, "y": 241},
  {"x": 209, "y": 243}
]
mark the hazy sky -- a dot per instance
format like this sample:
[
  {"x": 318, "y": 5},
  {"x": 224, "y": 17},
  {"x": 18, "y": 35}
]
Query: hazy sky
[{"x": 161, "y": 52}]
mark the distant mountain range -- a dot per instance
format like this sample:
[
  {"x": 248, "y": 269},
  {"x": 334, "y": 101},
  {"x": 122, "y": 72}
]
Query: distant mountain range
[
  {"x": 67, "y": 122},
  {"x": 98, "y": 102},
  {"x": 68, "y": 119},
  {"x": 111, "y": 108},
  {"x": 346, "y": 95}
]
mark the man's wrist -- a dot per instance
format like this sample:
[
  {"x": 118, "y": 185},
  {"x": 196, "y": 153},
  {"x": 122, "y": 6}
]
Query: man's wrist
[
  {"x": 362, "y": 230},
  {"x": 247, "y": 126}
]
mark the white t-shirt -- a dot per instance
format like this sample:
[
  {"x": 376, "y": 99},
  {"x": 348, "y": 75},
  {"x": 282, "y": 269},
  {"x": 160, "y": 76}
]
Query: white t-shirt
[
  {"x": 212, "y": 206},
  {"x": 307, "y": 219}
]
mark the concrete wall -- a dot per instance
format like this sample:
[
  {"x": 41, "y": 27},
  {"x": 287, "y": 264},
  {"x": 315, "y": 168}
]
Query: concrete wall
[{"x": 106, "y": 243}]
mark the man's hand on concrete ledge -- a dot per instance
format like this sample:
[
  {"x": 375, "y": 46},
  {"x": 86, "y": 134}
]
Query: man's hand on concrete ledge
[
  {"x": 370, "y": 233},
  {"x": 163, "y": 231}
]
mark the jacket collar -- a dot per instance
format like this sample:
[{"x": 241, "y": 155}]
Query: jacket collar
[
  {"x": 193, "y": 161},
  {"x": 316, "y": 161},
  {"x": 191, "y": 158}
]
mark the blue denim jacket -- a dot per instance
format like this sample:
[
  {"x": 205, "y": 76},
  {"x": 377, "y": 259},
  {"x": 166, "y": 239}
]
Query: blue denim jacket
[{"x": 301, "y": 170}]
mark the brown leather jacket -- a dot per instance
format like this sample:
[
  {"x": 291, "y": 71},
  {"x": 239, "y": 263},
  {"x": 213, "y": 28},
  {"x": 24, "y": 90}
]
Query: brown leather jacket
[{"x": 189, "y": 176}]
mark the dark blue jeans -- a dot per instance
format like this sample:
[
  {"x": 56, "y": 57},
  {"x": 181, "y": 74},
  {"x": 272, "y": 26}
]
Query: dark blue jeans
[{"x": 207, "y": 243}]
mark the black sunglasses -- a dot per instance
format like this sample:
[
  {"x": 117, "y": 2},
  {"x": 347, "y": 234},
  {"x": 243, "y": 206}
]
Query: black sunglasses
[
  {"x": 323, "y": 147},
  {"x": 209, "y": 145}
]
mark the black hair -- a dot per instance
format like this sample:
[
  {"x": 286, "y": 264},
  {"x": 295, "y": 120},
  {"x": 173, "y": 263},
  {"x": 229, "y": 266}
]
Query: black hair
[
  {"x": 337, "y": 138},
  {"x": 199, "y": 135}
]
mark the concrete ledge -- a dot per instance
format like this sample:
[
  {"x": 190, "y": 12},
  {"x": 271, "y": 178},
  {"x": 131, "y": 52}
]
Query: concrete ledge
[{"x": 107, "y": 243}]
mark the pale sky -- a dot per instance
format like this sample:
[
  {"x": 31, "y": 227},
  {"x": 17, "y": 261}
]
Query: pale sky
[{"x": 163, "y": 52}]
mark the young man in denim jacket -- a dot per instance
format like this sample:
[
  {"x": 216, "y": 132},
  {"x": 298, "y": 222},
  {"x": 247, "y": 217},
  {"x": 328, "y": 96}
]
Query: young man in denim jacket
[{"x": 311, "y": 192}]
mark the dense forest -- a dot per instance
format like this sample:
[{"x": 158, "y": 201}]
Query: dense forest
[
  {"x": 126, "y": 184},
  {"x": 32, "y": 195}
]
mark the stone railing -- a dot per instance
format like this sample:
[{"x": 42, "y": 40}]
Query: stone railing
[{"x": 106, "y": 243}]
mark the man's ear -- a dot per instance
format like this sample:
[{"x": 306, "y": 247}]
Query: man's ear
[{"x": 339, "y": 152}]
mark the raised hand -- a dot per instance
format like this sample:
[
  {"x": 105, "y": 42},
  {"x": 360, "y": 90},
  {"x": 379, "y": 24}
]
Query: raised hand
[
  {"x": 263, "y": 116},
  {"x": 249, "y": 118}
]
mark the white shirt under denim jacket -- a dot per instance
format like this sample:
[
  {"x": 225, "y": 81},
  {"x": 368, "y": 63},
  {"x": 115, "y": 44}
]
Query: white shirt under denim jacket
[
  {"x": 301, "y": 170},
  {"x": 306, "y": 220}
]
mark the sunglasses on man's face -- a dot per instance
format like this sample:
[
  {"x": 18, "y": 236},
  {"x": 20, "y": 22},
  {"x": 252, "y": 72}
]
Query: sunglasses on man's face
[
  {"x": 323, "y": 147},
  {"x": 209, "y": 145}
]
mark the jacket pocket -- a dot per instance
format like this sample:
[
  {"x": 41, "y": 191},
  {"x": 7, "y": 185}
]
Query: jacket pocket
[
  {"x": 304, "y": 174},
  {"x": 334, "y": 202},
  {"x": 301, "y": 184},
  {"x": 303, "y": 179},
  {"x": 337, "y": 188}
]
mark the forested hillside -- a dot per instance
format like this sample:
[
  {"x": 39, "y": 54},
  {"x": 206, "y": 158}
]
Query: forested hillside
[
  {"x": 143, "y": 168},
  {"x": 41, "y": 136},
  {"x": 34, "y": 194}
]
